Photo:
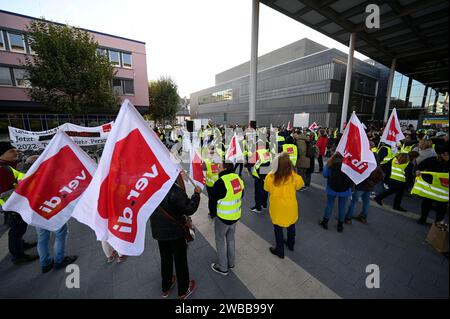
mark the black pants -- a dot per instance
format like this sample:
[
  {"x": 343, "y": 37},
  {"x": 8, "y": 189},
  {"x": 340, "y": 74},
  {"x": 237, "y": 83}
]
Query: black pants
[
  {"x": 170, "y": 251},
  {"x": 396, "y": 188},
  {"x": 210, "y": 203},
  {"x": 241, "y": 166},
  {"x": 429, "y": 204},
  {"x": 279, "y": 238},
  {"x": 320, "y": 161},
  {"x": 17, "y": 228},
  {"x": 260, "y": 194}
]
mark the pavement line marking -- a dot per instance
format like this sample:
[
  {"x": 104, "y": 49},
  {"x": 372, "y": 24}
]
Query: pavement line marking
[
  {"x": 388, "y": 209},
  {"x": 265, "y": 275}
]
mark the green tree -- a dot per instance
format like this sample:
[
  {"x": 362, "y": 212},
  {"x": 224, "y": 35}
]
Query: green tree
[
  {"x": 67, "y": 75},
  {"x": 164, "y": 99}
]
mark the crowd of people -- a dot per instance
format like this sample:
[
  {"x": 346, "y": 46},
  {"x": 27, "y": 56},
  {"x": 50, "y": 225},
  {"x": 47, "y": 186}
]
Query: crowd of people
[{"x": 279, "y": 171}]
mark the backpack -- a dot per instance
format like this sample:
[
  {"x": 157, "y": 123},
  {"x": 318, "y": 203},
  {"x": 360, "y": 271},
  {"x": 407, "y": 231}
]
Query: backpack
[{"x": 338, "y": 181}]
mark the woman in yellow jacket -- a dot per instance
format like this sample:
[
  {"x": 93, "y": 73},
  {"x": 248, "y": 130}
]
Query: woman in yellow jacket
[{"x": 282, "y": 184}]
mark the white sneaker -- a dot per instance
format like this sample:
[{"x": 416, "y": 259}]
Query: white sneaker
[{"x": 253, "y": 209}]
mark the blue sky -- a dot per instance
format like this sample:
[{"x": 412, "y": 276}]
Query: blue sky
[{"x": 189, "y": 40}]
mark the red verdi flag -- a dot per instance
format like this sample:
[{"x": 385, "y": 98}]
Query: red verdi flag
[
  {"x": 359, "y": 161},
  {"x": 134, "y": 175},
  {"x": 195, "y": 165},
  {"x": 313, "y": 126},
  {"x": 234, "y": 151},
  {"x": 47, "y": 195}
]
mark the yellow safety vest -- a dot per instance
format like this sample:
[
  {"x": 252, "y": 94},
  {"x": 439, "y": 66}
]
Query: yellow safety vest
[
  {"x": 398, "y": 171},
  {"x": 264, "y": 157},
  {"x": 316, "y": 136},
  {"x": 229, "y": 207},
  {"x": 291, "y": 149},
  {"x": 406, "y": 149},
  {"x": 212, "y": 172},
  {"x": 280, "y": 138},
  {"x": 389, "y": 155},
  {"x": 17, "y": 176},
  {"x": 437, "y": 190},
  {"x": 374, "y": 149}
]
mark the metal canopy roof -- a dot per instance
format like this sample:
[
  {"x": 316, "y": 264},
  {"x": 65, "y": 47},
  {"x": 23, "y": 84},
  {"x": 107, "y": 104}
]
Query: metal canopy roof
[{"x": 413, "y": 31}]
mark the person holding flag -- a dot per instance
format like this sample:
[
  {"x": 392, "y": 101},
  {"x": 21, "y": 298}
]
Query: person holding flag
[
  {"x": 226, "y": 201},
  {"x": 9, "y": 178},
  {"x": 48, "y": 193}
]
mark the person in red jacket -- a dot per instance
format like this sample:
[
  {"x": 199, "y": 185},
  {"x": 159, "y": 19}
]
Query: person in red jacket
[{"x": 321, "y": 143}]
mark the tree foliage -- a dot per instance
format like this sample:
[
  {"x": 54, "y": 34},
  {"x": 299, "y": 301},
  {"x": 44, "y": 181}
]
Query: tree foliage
[
  {"x": 164, "y": 99},
  {"x": 66, "y": 74}
]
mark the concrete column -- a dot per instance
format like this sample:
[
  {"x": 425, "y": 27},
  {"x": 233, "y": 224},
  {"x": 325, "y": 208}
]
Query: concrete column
[
  {"x": 408, "y": 91},
  {"x": 389, "y": 90},
  {"x": 253, "y": 62},
  {"x": 348, "y": 80},
  {"x": 424, "y": 99},
  {"x": 435, "y": 102}
]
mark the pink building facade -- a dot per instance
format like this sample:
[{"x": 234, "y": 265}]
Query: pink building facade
[{"x": 16, "y": 109}]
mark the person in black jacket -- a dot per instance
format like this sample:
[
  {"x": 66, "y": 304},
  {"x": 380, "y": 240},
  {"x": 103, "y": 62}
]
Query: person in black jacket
[{"x": 166, "y": 223}]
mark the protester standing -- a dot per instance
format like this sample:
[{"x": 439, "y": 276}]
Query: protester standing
[
  {"x": 167, "y": 228},
  {"x": 9, "y": 177},
  {"x": 227, "y": 200},
  {"x": 303, "y": 159},
  {"x": 321, "y": 143},
  {"x": 339, "y": 186},
  {"x": 282, "y": 184}
]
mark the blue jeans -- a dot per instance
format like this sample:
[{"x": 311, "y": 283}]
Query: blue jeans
[
  {"x": 42, "y": 245},
  {"x": 342, "y": 201},
  {"x": 365, "y": 196}
]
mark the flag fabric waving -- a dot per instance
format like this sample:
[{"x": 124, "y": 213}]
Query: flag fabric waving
[
  {"x": 392, "y": 132},
  {"x": 359, "y": 161},
  {"x": 195, "y": 164},
  {"x": 289, "y": 126},
  {"x": 47, "y": 195},
  {"x": 313, "y": 126},
  {"x": 134, "y": 175},
  {"x": 234, "y": 151}
]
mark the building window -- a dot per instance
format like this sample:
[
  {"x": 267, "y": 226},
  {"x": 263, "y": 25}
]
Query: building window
[
  {"x": 102, "y": 52},
  {"x": 128, "y": 87},
  {"x": 114, "y": 57},
  {"x": 117, "y": 86},
  {"x": 16, "y": 42},
  {"x": 2, "y": 41},
  {"x": 20, "y": 76},
  {"x": 126, "y": 60},
  {"x": 5, "y": 76},
  {"x": 29, "y": 41}
]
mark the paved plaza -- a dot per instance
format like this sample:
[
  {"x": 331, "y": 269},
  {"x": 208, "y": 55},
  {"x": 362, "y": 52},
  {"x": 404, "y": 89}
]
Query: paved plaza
[{"x": 325, "y": 263}]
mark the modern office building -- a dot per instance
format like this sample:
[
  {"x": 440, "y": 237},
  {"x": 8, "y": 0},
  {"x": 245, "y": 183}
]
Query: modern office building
[
  {"x": 16, "y": 109},
  {"x": 303, "y": 77}
]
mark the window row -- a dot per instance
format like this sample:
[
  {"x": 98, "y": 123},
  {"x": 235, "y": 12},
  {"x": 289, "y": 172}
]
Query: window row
[
  {"x": 13, "y": 77},
  {"x": 10, "y": 76},
  {"x": 14, "y": 42},
  {"x": 225, "y": 95},
  {"x": 117, "y": 58}
]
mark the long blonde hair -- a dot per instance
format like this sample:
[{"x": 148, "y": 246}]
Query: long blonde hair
[{"x": 284, "y": 168}]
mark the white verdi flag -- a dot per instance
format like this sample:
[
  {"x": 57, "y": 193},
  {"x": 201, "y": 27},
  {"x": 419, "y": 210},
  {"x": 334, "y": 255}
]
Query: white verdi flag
[
  {"x": 134, "y": 175},
  {"x": 47, "y": 195},
  {"x": 195, "y": 164},
  {"x": 392, "y": 132},
  {"x": 234, "y": 151},
  {"x": 359, "y": 161}
]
